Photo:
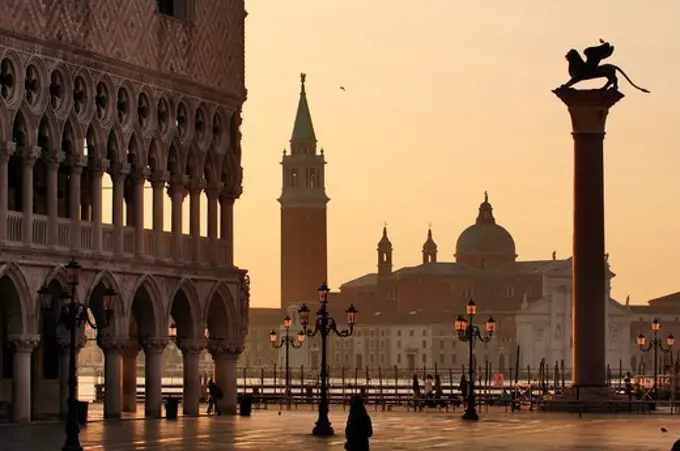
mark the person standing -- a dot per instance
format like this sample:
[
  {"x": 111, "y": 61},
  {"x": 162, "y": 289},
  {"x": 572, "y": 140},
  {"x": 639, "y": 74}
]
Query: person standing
[
  {"x": 416, "y": 391},
  {"x": 359, "y": 427},
  {"x": 215, "y": 395},
  {"x": 464, "y": 389}
]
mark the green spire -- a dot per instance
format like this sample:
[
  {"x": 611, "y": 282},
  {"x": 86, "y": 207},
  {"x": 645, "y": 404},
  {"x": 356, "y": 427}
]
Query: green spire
[{"x": 303, "y": 130}]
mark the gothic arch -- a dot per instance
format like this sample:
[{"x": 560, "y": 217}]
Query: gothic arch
[
  {"x": 186, "y": 288},
  {"x": 104, "y": 279},
  {"x": 149, "y": 283},
  {"x": 176, "y": 158},
  {"x": 25, "y": 115},
  {"x": 135, "y": 147},
  {"x": 58, "y": 274},
  {"x": 156, "y": 157},
  {"x": 15, "y": 275},
  {"x": 94, "y": 140},
  {"x": 48, "y": 122},
  {"x": 77, "y": 132},
  {"x": 5, "y": 125},
  {"x": 115, "y": 145},
  {"x": 221, "y": 313}
]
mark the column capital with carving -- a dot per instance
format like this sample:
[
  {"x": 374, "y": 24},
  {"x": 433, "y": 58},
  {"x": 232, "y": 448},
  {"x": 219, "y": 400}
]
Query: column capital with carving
[
  {"x": 64, "y": 341},
  {"x": 30, "y": 154},
  {"x": 54, "y": 159},
  {"x": 196, "y": 185},
  {"x": 139, "y": 175},
  {"x": 177, "y": 185},
  {"x": 221, "y": 347},
  {"x": 191, "y": 345},
  {"x": 118, "y": 171},
  {"x": 154, "y": 345},
  {"x": 24, "y": 343},
  {"x": 99, "y": 165},
  {"x": 7, "y": 149},
  {"x": 76, "y": 162},
  {"x": 214, "y": 190},
  {"x": 158, "y": 179},
  {"x": 112, "y": 345},
  {"x": 131, "y": 348}
]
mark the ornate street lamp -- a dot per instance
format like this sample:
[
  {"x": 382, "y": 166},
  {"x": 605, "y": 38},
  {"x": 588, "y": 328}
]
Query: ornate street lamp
[
  {"x": 324, "y": 325},
  {"x": 287, "y": 341},
  {"x": 74, "y": 314},
  {"x": 470, "y": 333},
  {"x": 656, "y": 343}
]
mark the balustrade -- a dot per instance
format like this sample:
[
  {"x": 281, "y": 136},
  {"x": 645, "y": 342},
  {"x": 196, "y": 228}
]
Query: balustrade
[{"x": 15, "y": 222}]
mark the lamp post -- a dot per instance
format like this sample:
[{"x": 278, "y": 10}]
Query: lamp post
[
  {"x": 74, "y": 314},
  {"x": 324, "y": 325},
  {"x": 656, "y": 343},
  {"x": 287, "y": 341},
  {"x": 470, "y": 333}
]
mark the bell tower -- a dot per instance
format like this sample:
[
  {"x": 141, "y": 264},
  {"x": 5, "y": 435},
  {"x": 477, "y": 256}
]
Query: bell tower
[{"x": 303, "y": 211}]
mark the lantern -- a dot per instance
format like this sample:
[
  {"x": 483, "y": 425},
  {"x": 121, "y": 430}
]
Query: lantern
[
  {"x": 351, "y": 315},
  {"x": 670, "y": 339},
  {"x": 287, "y": 322},
  {"x": 323, "y": 293},
  {"x": 107, "y": 301},
  {"x": 273, "y": 337},
  {"x": 304, "y": 315},
  {"x": 45, "y": 298},
  {"x": 491, "y": 325},
  {"x": 460, "y": 324},
  {"x": 72, "y": 272},
  {"x": 301, "y": 337},
  {"x": 656, "y": 325},
  {"x": 172, "y": 331},
  {"x": 471, "y": 308},
  {"x": 641, "y": 340}
]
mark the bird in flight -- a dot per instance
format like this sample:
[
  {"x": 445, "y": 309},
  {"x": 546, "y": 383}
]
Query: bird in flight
[{"x": 342, "y": 88}]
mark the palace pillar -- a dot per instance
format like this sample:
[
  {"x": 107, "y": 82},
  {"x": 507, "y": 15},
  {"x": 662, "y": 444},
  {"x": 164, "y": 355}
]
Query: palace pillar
[
  {"x": 224, "y": 358},
  {"x": 74, "y": 202},
  {"x": 6, "y": 151},
  {"x": 29, "y": 156},
  {"x": 130, "y": 376},
  {"x": 158, "y": 181},
  {"x": 153, "y": 352},
  {"x": 588, "y": 110},
  {"x": 118, "y": 174},
  {"x": 23, "y": 346},
  {"x": 191, "y": 350},
  {"x": 227, "y": 226},
  {"x": 177, "y": 192},
  {"x": 196, "y": 186},
  {"x": 212, "y": 193},
  {"x": 52, "y": 165},
  {"x": 97, "y": 170},
  {"x": 64, "y": 342},
  {"x": 113, "y": 351}
]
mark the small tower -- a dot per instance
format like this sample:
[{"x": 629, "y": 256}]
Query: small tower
[
  {"x": 384, "y": 255},
  {"x": 303, "y": 211},
  {"x": 429, "y": 248}
]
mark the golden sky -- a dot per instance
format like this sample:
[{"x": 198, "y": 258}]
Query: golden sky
[{"x": 446, "y": 99}]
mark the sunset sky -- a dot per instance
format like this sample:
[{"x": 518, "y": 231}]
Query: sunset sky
[{"x": 446, "y": 99}]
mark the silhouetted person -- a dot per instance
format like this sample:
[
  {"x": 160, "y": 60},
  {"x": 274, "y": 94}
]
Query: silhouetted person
[
  {"x": 416, "y": 390},
  {"x": 627, "y": 383},
  {"x": 359, "y": 428},
  {"x": 438, "y": 391},
  {"x": 215, "y": 395}
]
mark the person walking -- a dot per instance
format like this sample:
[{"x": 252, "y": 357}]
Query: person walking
[
  {"x": 464, "y": 389},
  {"x": 359, "y": 427},
  {"x": 215, "y": 395},
  {"x": 416, "y": 391}
]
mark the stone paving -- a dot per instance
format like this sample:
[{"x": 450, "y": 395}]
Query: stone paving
[{"x": 267, "y": 430}]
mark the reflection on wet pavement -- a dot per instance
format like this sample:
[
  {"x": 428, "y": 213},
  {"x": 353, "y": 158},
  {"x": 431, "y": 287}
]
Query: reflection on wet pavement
[{"x": 266, "y": 430}]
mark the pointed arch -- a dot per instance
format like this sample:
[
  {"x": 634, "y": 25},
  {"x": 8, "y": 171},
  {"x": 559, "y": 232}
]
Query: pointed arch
[
  {"x": 212, "y": 166},
  {"x": 186, "y": 286},
  {"x": 25, "y": 316},
  {"x": 176, "y": 158},
  {"x": 93, "y": 141},
  {"x": 48, "y": 124},
  {"x": 115, "y": 145},
  {"x": 221, "y": 312},
  {"x": 77, "y": 131},
  {"x": 58, "y": 274},
  {"x": 5, "y": 125},
  {"x": 106, "y": 279},
  {"x": 25, "y": 117},
  {"x": 134, "y": 151},
  {"x": 149, "y": 283},
  {"x": 93, "y": 300},
  {"x": 156, "y": 157}
]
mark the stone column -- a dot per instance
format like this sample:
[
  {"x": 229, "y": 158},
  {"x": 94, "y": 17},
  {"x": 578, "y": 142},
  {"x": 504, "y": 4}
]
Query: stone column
[
  {"x": 196, "y": 186},
  {"x": 177, "y": 192},
  {"x": 74, "y": 202},
  {"x": 225, "y": 356},
  {"x": 23, "y": 346},
  {"x": 138, "y": 179},
  {"x": 158, "y": 181},
  {"x": 97, "y": 170},
  {"x": 113, "y": 350},
  {"x": 191, "y": 350},
  {"x": 118, "y": 177},
  {"x": 212, "y": 193},
  {"x": 53, "y": 163},
  {"x": 64, "y": 342},
  {"x": 227, "y": 225},
  {"x": 130, "y": 376},
  {"x": 588, "y": 110},
  {"x": 153, "y": 351},
  {"x": 6, "y": 151},
  {"x": 29, "y": 157}
]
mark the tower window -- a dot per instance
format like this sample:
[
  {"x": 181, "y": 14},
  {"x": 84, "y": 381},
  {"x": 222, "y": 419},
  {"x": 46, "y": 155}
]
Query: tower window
[
  {"x": 311, "y": 178},
  {"x": 178, "y": 9},
  {"x": 294, "y": 178}
]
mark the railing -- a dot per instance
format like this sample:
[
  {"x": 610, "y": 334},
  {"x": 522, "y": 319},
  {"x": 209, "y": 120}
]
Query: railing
[{"x": 40, "y": 237}]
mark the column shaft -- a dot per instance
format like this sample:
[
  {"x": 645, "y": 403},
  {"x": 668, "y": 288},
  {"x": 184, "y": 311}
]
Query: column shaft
[
  {"x": 138, "y": 187},
  {"x": 227, "y": 227},
  {"x": 97, "y": 210},
  {"x": 177, "y": 191},
  {"x": 225, "y": 377},
  {"x": 158, "y": 233},
  {"x": 64, "y": 355},
  {"x": 5, "y": 154},
  {"x": 153, "y": 383},
  {"x": 27, "y": 198},
  {"x": 195, "y": 225},
  {"x": 112, "y": 383},
  {"x": 118, "y": 204},
  {"x": 130, "y": 381},
  {"x": 192, "y": 382},
  {"x": 212, "y": 226},
  {"x": 76, "y": 172},
  {"x": 52, "y": 202},
  {"x": 21, "y": 387}
]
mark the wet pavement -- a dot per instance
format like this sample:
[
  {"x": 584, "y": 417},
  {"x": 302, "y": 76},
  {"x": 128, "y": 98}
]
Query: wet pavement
[{"x": 267, "y": 430}]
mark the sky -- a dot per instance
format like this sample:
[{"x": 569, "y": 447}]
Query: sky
[{"x": 446, "y": 99}]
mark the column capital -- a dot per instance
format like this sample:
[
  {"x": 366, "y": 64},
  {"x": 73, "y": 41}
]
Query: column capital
[
  {"x": 154, "y": 345},
  {"x": 76, "y": 162},
  {"x": 118, "y": 171},
  {"x": 131, "y": 348},
  {"x": 195, "y": 185},
  {"x": 54, "y": 159},
  {"x": 214, "y": 189},
  {"x": 23, "y": 343},
  {"x": 64, "y": 341},
  {"x": 30, "y": 154},
  {"x": 139, "y": 175},
  {"x": 228, "y": 348},
  {"x": 158, "y": 179},
  {"x": 99, "y": 165},
  {"x": 588, "y": 108},
  {"x": 7, "y": 149},
  {"x": 176, "y": 186},
  {"x": 112, "y": 345},
  {"x": 227, "y": 196},
  {"x": 191, "y": 345}
]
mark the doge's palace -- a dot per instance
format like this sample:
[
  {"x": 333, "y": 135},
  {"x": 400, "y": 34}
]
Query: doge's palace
[{"x": 127, "y": 95}]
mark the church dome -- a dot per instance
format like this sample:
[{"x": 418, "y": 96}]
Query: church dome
[{"x": 485, "y": 242}]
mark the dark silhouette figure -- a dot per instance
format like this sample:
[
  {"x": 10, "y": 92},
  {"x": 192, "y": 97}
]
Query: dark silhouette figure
[
  {"x": 438, "y": 391},
  {"x": 359, "y": 427},
  {"x": 416, "y": 391},
  {"x": 214, "y": 398},
  {"x": 589, "y": 69}
]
